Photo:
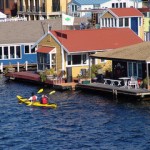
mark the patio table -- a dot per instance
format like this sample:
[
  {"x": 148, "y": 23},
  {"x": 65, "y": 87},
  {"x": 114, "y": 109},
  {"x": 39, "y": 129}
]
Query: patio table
[{"x": 125, "y": 80}]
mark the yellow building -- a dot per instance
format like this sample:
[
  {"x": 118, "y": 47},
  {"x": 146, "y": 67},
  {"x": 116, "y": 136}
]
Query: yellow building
[
  {"x": 69, "y": 50},
  {"x": 41, "y": 9}
]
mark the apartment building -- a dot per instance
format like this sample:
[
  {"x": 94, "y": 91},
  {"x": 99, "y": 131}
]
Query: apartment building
[{"x": 41, "y": 9}]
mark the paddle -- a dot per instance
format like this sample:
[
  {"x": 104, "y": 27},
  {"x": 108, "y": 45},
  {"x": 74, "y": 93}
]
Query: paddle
[
  {"x": 40, "y": 91},
  {"x": 52, "y": 92}
]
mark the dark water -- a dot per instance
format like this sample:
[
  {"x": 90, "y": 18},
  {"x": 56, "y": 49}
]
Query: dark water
[{"x": 81, "y": 121}]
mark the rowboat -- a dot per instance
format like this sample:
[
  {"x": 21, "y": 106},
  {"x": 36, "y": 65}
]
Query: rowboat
[{"x": 37, "y": 103}]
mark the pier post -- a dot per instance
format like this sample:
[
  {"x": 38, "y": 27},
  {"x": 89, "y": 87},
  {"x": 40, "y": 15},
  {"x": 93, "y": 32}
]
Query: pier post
[
  {"x": 26, "y": 65},
  {"x": 1, "y": 67},
  {"x": 17, "y": 66}
]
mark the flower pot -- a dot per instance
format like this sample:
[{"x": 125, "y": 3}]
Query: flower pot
[
  {"x": 49, "y": 77},
  {"x": 11, "y": 70}
]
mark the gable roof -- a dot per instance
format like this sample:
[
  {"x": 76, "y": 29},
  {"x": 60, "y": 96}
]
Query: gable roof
[
  {"x": 89, "y": 2},
  {"x": 45, "y": 49},
  {"x": 137, "y": 52},
  {"x": 30, "y": 31},
  {"x": 100, "y": 39},
  {"x": 126, "y": 12}
]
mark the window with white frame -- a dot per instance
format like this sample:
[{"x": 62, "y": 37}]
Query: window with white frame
[
  {"x": 126, "y": 22},
  {"x": 120, "y": 22},
  {"x": 10, "y": 52},
  {"x": 28, "y": 50},
  {"x": 124, "y": 5},
  {"x": 6, "y": 52},
  {"x": 18, "y": 52},
  {"x": 77, "y": 59}
]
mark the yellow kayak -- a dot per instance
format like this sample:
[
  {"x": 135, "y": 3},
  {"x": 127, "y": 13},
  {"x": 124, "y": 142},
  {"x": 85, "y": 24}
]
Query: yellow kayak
[{"x": 37, "y": 103}]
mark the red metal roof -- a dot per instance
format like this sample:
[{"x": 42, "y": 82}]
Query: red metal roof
[
  {"x": 123, "y": 12},
  {"x": 97, "y": 39},
  {"x": 45, "y": 49}
]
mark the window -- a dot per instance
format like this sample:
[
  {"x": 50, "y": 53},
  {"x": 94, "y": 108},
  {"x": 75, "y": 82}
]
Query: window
[
  {"x": 116, "y": 5},
  {"x": 134, "y": 69},
  {"x": 113, "y": 5},
  {"x": 106, "y": 22},
  {"x": 120, "y": 5},
  {"x": 1, "y": 4},
  {"x": 33, "y": 50},
  {"x": 5, "y": 52},
  {"x": 12, "y": 52},
  {"x": 77, "y": 59},
  {"x": 124, "y": 5},
  {"x": 7, "y": 3},
  {"x": 112, "y": 23},
  {"x": 96, "y": 6},
  {"x": 126, "y": 22},
  {"x": 84, "y": 59},
  {"x": 26, "y": 48},
  {"x": 115, "y": 22},
  {"x": 120, "y": 22},
  {"x": 55, "y": 5},
  {"x": 18, "y": 52}
]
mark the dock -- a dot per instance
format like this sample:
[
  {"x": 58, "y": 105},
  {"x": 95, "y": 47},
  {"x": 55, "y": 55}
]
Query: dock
[
  {"x": 116, "y": 91},
  {"x": 29, "y": 76},
  {"x": 138, "y": 93}
]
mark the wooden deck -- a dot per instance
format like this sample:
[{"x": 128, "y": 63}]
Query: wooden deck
[
  {"x": 115, "y": 90},
  {"x": 35, "y": 78}
]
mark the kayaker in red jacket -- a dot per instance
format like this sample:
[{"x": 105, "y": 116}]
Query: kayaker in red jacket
[
  {"x": 33, "y": 97},
  {"x": 44, "y": 99}
]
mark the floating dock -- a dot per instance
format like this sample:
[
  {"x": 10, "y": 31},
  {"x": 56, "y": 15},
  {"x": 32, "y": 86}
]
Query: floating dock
[{"x": 115, "y": 90}]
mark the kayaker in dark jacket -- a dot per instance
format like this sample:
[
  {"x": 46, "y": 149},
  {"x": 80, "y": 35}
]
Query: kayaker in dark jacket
[{"x": 44, "y": 99}]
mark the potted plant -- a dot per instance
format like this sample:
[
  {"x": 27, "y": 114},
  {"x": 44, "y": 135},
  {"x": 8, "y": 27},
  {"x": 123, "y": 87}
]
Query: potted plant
[
  {"x": 84, "y": 79},
  {"x": 9, "y": 69},
  {"x": 49, "y": 73}
]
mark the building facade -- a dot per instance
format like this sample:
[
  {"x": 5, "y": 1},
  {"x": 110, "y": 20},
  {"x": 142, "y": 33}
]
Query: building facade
[
  {"x": 82, "y": 8},
  {"x": 123, "y": 18},
  {"x": 8, "y": 7},
  {"x": 41, "y": 9}
]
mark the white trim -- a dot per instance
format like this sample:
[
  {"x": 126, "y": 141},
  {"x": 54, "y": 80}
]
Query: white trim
[
  {"x": 87, "y": 60},
  {"x": 62, "y": 55}
]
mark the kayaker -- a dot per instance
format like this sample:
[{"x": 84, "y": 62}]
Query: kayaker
[
  {"x": 44, "y": 99},
  {"x": 33, "y": 97}
]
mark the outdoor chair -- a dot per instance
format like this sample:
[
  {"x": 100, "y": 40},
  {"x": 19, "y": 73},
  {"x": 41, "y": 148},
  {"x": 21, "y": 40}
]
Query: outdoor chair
[{"x": 133, "y": 83}]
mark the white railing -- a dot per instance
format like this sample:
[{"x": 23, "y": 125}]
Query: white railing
[
  {"x": 26, "y": 66},
  {"x": 13, "y": 19}
]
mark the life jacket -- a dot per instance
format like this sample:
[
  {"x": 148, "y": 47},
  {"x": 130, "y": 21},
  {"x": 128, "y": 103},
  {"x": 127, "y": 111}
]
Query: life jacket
[
  {"x": 44, "y": 100},
  {"x": 34, "y": 98}
]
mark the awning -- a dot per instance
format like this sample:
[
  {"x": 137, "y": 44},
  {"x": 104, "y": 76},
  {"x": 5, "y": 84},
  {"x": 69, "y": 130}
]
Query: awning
[{"x": 46, "y": 49}]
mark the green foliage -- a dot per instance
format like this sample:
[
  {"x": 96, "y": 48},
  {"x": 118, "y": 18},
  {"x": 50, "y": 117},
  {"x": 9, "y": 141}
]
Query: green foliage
[
  {"x": 94, "y": 69},
  {"x": 42, "y": 76},
  {"x": 49, "y": 71}
]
